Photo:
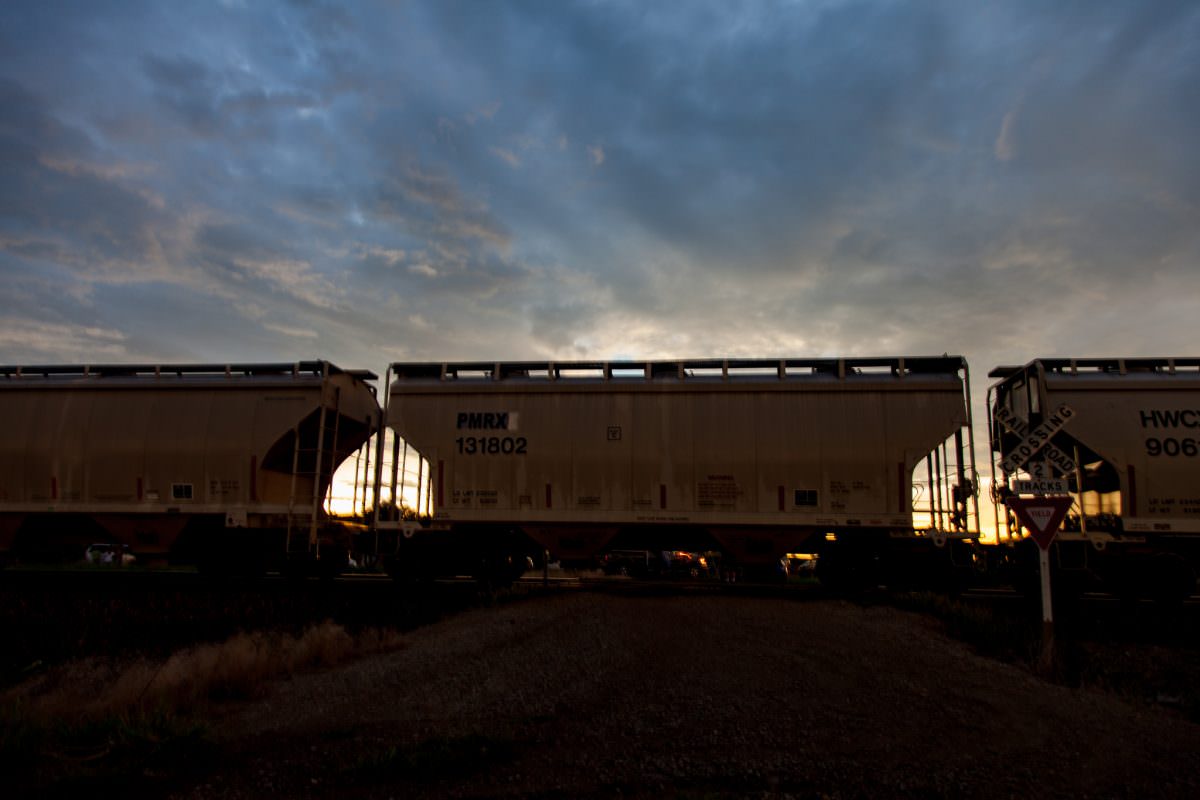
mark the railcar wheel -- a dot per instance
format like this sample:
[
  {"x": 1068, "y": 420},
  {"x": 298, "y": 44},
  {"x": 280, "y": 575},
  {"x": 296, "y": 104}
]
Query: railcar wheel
[
  {"x": 407, "y": 571},
  {"x": 1173, "y": 580},
  {"x": 493, "y": 572},
  {"x": 845, "y": 571},
  {"x": 226, "y": 555},
  {"x": 56, "y": 538},
  {"x": 331, "y": 563}
]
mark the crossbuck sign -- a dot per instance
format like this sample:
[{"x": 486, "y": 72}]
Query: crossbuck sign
[
  {"x": 1039, "y": 439},
  {"x": 1064, "y": 462}
]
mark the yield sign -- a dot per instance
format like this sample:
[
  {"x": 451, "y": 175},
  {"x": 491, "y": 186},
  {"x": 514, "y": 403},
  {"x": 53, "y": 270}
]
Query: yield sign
[{"x": 1041, "y": 516}]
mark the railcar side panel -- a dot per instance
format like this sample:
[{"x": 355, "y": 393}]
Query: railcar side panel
[
  {"x": 1151, "y": 440},
  {"x": 685, "y": 453}
]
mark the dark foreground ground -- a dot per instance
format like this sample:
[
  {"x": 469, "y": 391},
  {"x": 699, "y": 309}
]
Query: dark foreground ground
[{"x": 602, "y": 694}]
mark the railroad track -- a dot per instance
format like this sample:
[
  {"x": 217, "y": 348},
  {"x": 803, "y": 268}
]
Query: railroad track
[
  {"x": 56, "y": 614},
  {"x": 60, "y": 578},
  {"x": 1007, "y": 593}
]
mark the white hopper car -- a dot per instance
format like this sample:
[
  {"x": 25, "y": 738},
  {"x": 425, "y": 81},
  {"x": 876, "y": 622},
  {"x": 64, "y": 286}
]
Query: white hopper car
[
  {"x": 222, "y": 464},
  {"x": 862, "y": 459}
]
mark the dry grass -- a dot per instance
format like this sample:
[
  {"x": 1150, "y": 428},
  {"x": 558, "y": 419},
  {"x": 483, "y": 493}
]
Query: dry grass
[
  {"x": 102, "y": 726},
  {"x": 238, "y": 668},
  {"x": 1141, "y": 652}
]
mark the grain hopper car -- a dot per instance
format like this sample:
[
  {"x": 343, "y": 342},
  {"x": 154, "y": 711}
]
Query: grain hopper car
[
  {"x": 1124, "y": 439},
  {"x": 225, "y": 465},
  {"x": 867, "y": 461}
]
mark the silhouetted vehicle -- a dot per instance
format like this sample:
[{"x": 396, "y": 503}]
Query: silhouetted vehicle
[
  {"x": 802, "y": 567},
  {"x": 634, "y": 563},
  {"x": 107, "y": 553}
]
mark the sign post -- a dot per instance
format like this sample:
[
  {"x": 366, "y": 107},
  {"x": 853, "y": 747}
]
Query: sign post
[{"x": 1041, "y": 516}]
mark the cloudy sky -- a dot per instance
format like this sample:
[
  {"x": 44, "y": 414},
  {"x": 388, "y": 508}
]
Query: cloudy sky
[{"x": 369, "y": 182}]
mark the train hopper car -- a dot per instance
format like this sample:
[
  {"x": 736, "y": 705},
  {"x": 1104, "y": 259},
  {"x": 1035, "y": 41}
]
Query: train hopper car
[
  {"x": 754, "y": 458},
  {"x": 223, "y": 464},
  {"x": 1128, "y": 448}
]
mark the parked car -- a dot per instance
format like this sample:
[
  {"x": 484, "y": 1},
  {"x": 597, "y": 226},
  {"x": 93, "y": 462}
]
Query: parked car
[
  {"x": 109, "y": 554},
  {"x": 636, "y": 563},
  {"x": 802, "y": 565}
]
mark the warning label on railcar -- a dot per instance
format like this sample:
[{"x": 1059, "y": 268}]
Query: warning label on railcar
[
  {"x": 718, "y": 491},
  {"x": 474, "y": 497},
  {"x": 223, "y": 488},
  {"x": 1173, "y": 507},
  {"x": 847, "y": 494}
]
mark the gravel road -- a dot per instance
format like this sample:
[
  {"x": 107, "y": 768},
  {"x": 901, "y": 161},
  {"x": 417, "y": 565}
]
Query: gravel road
[{"x": 600, "y": 695}]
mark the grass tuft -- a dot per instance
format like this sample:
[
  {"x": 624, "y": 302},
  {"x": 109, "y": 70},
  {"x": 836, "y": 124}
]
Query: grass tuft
[
  {"x": 130, "y": 751},
  {"x": 238, "y": 668},
  {"x": 1112, "y": 652},
  {"x": 992, "y": 633},
  {"x": 91, "y": 721}
]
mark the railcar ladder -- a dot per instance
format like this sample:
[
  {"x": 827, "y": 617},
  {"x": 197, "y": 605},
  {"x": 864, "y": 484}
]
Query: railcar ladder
[{"x": 311, "y": 516}]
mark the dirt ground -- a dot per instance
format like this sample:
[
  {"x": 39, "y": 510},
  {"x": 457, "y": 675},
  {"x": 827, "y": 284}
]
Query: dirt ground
[{"x": 599, "y": 695}]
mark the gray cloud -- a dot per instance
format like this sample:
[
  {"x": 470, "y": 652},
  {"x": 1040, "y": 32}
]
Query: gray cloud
[{"x": 501, "y": 180}]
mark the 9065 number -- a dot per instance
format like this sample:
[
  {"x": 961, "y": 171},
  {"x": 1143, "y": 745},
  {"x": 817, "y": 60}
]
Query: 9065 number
[
  {"x": 1172, "y": 447},
  {"x": 491, "y": 445}
]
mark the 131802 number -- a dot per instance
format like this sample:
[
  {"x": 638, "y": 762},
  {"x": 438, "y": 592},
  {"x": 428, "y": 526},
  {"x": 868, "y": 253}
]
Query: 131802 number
[{"x": 491, "y": 445}]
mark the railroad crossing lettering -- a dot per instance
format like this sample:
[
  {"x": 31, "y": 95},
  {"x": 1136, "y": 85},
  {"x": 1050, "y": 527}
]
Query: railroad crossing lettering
[
  {"x": 1037, "y": 440},
  {"x": 1064, "y": 462}
]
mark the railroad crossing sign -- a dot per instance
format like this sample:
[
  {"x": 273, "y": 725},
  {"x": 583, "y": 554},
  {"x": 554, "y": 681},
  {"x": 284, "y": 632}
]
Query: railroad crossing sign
[
  {"x": 1041, "y": 516},
  {"x": 1010, "y": 420},
  {"x": 1037, "y": 439}
]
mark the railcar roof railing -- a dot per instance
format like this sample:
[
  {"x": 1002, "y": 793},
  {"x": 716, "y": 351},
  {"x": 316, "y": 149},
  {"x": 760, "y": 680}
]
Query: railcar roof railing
[
  {"x": 297, "y": 369},
  {"x": 1103, "y": 366},
  {"x": 730, "y": 369}
]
